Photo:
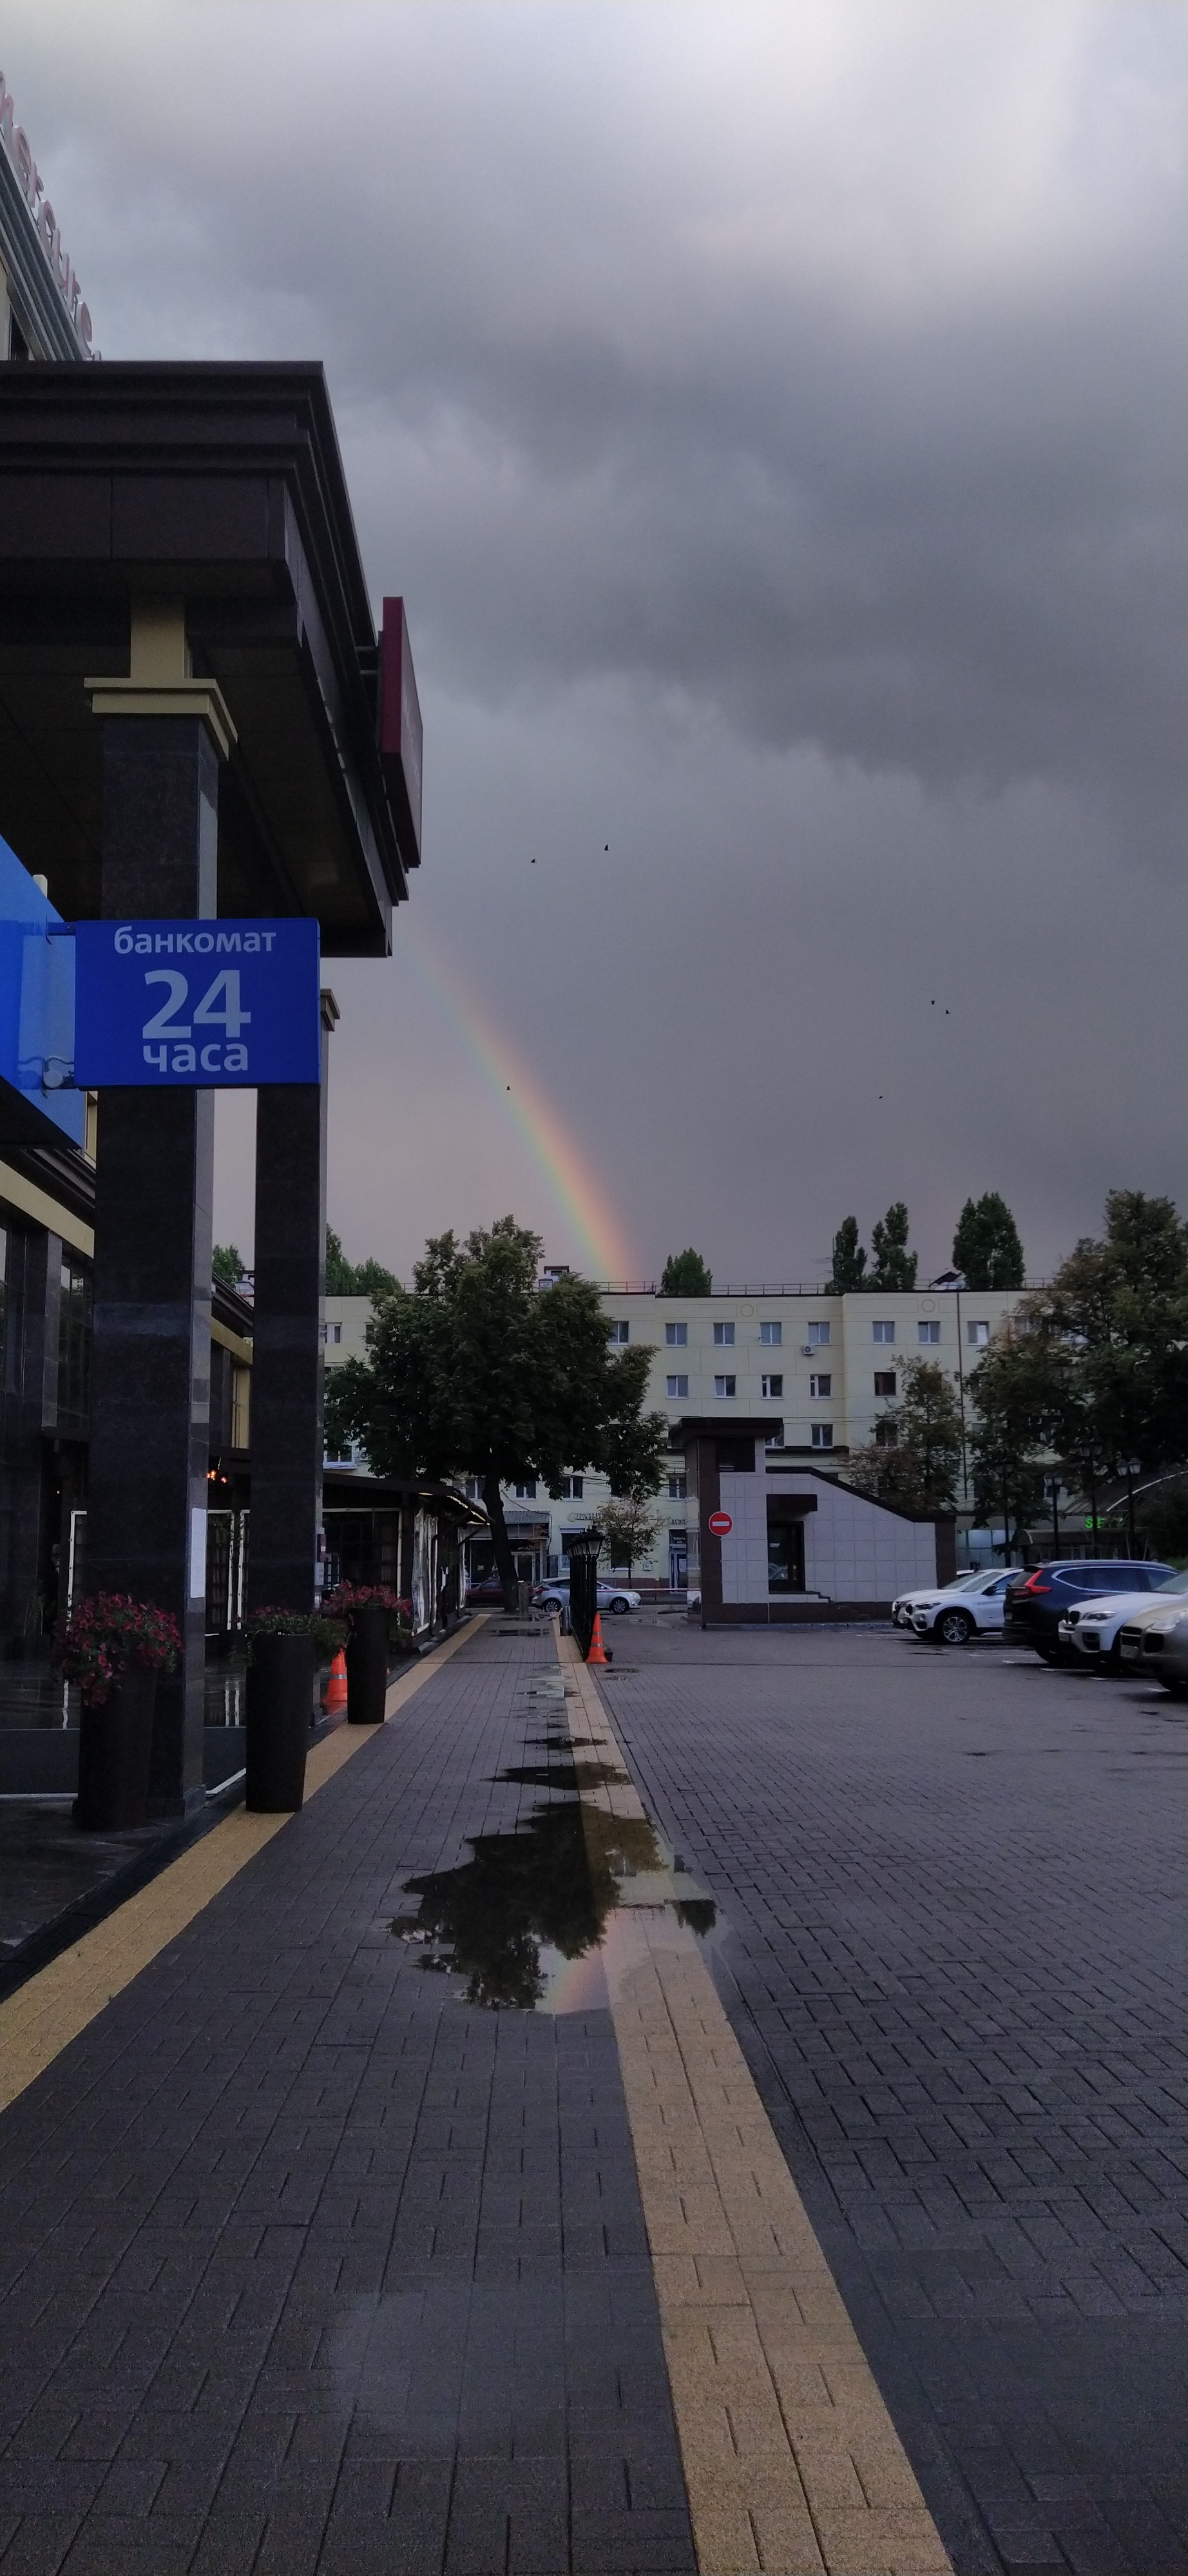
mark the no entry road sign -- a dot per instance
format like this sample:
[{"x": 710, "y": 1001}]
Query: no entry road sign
[
  {"x": 720, "y": 1523},
  {"x": 214, "y": 1004}
]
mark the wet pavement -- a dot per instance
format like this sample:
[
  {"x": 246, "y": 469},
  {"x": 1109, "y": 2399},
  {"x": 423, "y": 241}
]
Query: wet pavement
[
  {"x": 55, "y": 1881},
  {"x": 313, "y": 2262},
  {"x": 323, "y": 2246},
  {"x": 951, "y": 1948}
]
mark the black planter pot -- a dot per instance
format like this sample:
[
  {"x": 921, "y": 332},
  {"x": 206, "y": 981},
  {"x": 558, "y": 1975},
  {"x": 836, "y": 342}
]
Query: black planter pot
[
  {"x": 279, "y": 1702},
  {"x": 115, "y": 1746},
  {"x": 367, "y": 1666}
]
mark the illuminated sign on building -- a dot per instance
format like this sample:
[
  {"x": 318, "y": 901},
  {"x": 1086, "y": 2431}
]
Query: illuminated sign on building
[{"x": 45, "y": 223}]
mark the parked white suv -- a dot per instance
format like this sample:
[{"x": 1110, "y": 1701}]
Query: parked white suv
[
  {"x": 1094, "y": 1629},
  {"x": 905, "y": 1602},
  {"x": 975, "y": 1611}
]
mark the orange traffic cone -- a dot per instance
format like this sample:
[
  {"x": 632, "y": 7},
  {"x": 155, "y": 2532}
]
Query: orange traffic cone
[
  {"x": 598, "y": 1653},
  {"x": 336, "y": 1687}
]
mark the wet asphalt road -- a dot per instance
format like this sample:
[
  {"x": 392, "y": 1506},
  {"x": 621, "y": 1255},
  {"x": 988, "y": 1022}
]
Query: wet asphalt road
[{"x": 951, "y": 1884}]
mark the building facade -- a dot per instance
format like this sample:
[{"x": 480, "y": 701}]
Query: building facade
[
  {"x": 43, "y": 312},
  {"x": 816, "y": 1370}
]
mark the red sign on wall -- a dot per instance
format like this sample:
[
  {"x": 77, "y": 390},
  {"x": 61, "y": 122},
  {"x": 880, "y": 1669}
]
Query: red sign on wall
[{"x": 720, "y": 1523}]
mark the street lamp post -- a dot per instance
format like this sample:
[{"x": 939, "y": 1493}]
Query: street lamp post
[
  {"x": 583, "y": 1586},
  {"x": 1131, "y": 1467},
  {"x": 1052, "y": 1490}
]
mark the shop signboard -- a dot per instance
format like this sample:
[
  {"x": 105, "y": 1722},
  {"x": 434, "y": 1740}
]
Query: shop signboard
[{"x": 215, "y": 1005}]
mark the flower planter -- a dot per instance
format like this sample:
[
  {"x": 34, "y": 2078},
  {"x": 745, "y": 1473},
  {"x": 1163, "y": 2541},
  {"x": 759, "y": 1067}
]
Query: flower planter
[
  {"x": 115, "y": 1746},
  {"x": 367, "y": 1665},
  {"x": 279, "y": 1703}
]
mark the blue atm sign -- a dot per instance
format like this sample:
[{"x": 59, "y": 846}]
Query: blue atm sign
[{"x": 211, "y": 1004}]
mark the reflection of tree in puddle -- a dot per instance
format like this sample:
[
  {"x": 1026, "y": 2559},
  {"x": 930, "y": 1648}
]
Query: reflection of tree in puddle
[
  {"x": 547, "y": 1887},
  {"x": 581, "y": 1776},
  {"x": 520, "y": 1892}
]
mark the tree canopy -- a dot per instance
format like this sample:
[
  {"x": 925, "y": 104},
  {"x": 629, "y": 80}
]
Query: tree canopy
[
  {"x": 226, "y": 1264},
  {"x": 849, "y": 1259},
  {"x": 1094, "y": 1369},
  {"x": 893, "y": 1266},
  {"x": 986, "y": 1246},
  {"x": 628, "y": 1529},
  {"x": 355, "y": 1279},
  {"x": 685, "y": 1274},
  {"x": 477, "y": 1370},
  {"x": 914, "y": 1459}
]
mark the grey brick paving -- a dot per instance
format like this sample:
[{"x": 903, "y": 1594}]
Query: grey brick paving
[
  {"x": 307, "y": 2266},
  {"x": 953, "y": 1886}
]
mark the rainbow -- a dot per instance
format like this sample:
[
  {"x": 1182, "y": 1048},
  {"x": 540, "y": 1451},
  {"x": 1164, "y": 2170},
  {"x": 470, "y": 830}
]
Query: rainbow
[{"x": 580, "y": 1197}]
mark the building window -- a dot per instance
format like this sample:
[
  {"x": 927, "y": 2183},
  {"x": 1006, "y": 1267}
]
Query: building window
[
  {"x": 882, "y": 1332},
  {"x": 526, "y": 1493},
  {"x": 821, "y": 1435},
  {"x": 818, "y": 1337},
  {"x": 474, "y": 1489},
  {"x": 572, "y": 1488},
  {"x": 676, "y": 1336},
  {"x": 678, "y": 1489},
  {"x": 819, "y": 1386},
  {"x": 928, "y": 1332},
  {"x": 74, "y": 1347},
  {"x": 725, "y": 1385},
  {"x": 619, "y": 1331},
  {"x": 676, "y": 1388},
  {"x": 884, "y": 1381},
  {"x": 775, "y": 1439},
  {"x": 978, "y": 1334},
  {"x": 772, "y": 1334},
  {"x": 887, "y": 1433},
  {"x": 724, "y": 1337},
  {"x": 772, "y": 1386},
  {"x": 332, "y": 1332}
]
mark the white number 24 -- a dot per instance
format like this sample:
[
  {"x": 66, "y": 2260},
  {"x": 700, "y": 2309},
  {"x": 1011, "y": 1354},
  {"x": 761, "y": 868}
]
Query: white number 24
[{"x": 232, "y": 1017}]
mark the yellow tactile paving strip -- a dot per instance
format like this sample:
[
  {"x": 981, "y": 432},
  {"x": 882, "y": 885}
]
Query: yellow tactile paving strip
[
  {"x": 791, "y": 2460},
  {"x": 46, "y": 2014}
]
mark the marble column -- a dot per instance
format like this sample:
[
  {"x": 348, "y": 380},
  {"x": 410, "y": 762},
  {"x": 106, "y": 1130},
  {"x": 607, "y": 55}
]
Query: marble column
[
  {"x": 150, "y": 1385},
  {"x": 287, "y": 1354}
]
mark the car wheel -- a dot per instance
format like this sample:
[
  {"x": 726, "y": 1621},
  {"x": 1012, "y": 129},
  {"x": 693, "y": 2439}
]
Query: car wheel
[
  {"x": 1110, "y": 1662},
  {"x": 1178, "y": 1689},
  {"x": 550, "y": 1602},
  {"x": 619, "y": 1608},
  {"x": 954, "y": 1628}
]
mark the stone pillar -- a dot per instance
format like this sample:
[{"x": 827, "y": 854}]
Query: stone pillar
[
  {"x": 28, "y": 1409},
  {"x": 287, "y": 1342},
  {"x": 150, "y": 1386}
]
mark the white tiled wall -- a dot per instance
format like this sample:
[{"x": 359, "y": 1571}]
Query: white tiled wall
[{"x": 853, "y": 1549}]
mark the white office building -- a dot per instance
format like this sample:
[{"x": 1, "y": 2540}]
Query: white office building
[{"x": 819, "y": 1368}]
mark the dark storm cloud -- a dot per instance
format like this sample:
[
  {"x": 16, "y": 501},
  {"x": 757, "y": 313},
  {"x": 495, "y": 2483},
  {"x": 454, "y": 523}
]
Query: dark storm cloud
[{"x": 773, "y": 418}]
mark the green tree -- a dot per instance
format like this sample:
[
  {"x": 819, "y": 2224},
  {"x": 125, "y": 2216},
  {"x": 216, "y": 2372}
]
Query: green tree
[
  {"x": 849, "y": 1259},
  {"x": 685, "y": 1274},
  {"x": 894, "y": 1267},
  {"x": 476, "y": 1369},
  {"x": 1121, "y": 1302},
  {"x": 628, "y": 1529},
  {"x": 350, "y": 1279},
  {"x": 226, "y": 1263},
  {"x": 986, "y": 1246},
  {"x": 913, "y": 1461},
  {"x": 1028, "y": 1415}
]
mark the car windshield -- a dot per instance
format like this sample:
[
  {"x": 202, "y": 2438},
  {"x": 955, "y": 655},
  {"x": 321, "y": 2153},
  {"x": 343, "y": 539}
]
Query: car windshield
[{"x": 1173, "y": 1583}]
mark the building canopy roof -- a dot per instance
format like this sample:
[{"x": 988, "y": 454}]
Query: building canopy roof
[{"x": 222, "y": 485}]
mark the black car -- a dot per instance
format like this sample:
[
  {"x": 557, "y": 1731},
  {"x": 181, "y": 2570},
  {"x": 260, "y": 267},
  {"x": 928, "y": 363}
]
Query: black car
[{"x": 1036, "y": 1604}]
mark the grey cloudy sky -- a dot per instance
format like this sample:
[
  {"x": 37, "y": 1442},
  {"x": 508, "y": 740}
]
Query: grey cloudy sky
[{"x": 773, "y": 417}]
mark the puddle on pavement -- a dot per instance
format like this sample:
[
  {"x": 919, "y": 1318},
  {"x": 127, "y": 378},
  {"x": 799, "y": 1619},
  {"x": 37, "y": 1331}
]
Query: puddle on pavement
[{"x": 525, "y": 1920}]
